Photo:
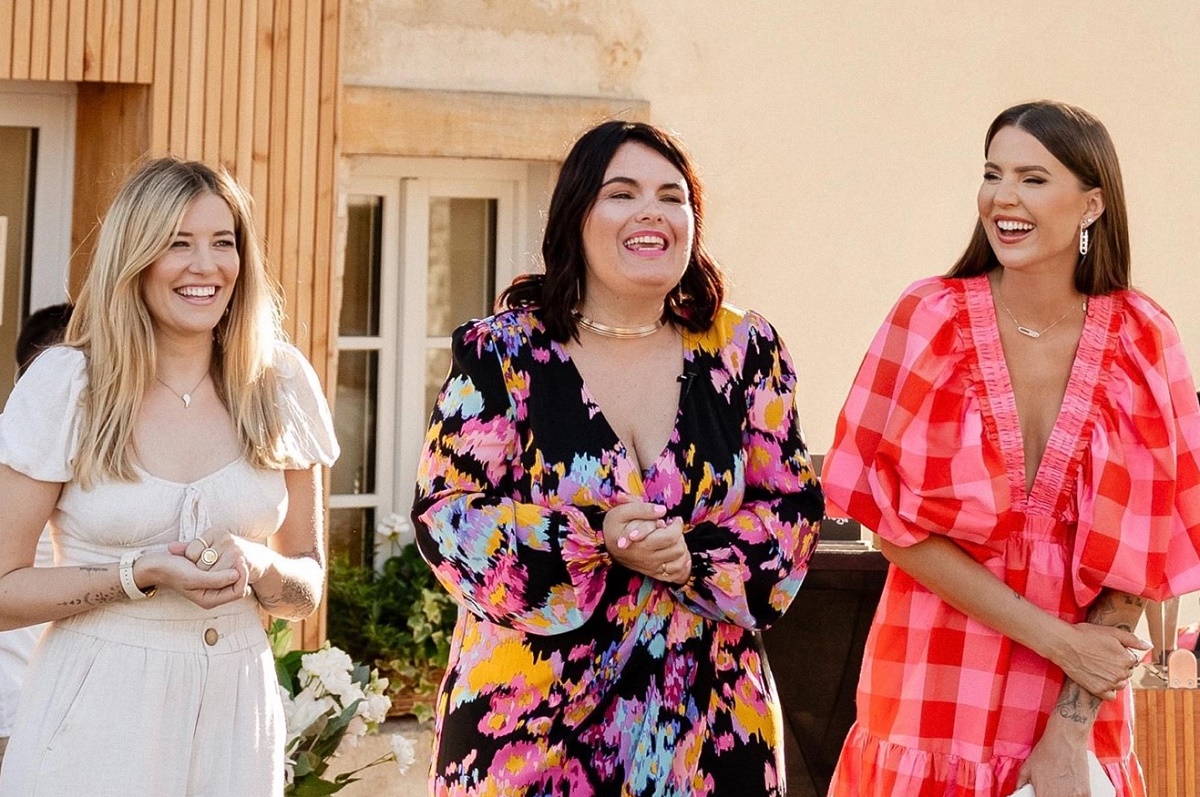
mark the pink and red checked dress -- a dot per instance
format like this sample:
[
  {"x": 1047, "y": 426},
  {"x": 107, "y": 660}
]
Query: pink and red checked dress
[{"x": 929, "y": 442}]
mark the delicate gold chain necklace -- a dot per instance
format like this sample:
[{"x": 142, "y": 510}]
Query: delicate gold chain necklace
[
  {"x": 1033, "y": 333},
  {"x": 186, "y": 398},
  {"x": 607, "y": 331}
]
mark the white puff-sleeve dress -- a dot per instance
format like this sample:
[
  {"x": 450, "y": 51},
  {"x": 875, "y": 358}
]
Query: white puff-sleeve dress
[{"x": 157, "y": 697}]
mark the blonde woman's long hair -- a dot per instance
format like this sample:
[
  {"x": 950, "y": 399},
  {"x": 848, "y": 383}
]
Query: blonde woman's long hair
[{"x": 112, "y": 326}]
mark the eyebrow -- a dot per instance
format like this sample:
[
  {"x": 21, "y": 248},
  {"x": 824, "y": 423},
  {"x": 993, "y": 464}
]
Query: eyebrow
[
  {"x": 1020, "y": 169},
  {"x": 215, "y": 234},
  {"x": 680, "y": 184}
]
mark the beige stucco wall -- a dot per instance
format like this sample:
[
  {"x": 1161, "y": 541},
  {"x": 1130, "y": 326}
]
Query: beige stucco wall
[{"x": 840, "y": 140}]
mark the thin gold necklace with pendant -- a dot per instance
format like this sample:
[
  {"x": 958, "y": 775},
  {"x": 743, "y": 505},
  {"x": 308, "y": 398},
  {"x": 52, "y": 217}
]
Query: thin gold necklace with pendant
[
  {"x": 186, "y": 398},
  {"x": 1033, "y": 333}
]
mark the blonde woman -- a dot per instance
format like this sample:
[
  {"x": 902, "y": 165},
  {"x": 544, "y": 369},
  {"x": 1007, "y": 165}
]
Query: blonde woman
[{"x": 174, "y": 444}]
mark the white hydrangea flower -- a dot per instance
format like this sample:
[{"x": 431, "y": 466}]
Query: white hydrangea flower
[
  {"x": 330, "y": 666},
  {"x": 307, "y": 709},
  {"x": 405, "y": 751},
  {"x": 350, "y": 693},
  {"x": 375, "y": 708},
  {"x": 396, "y": 529},
  {"x": 327, "y": 687}
]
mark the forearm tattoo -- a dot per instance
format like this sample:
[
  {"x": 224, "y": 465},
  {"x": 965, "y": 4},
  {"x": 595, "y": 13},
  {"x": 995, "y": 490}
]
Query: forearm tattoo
[
  {"x": 1117, "y": 609},
  {"x": 98, "y": 596},
  {"x": 295, "y": 597},
  {"x": 1076, "y": 704}
]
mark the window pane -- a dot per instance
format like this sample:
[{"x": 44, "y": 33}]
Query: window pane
[
  {"x": 437, "y": 366},
  {"x": 462, "y": 262},
  {"x": 360, "y": 285},
  {"x": 352, "y": 534},
  {"x": 355, "y": 423},
  {"x": 17, "y": 153}
]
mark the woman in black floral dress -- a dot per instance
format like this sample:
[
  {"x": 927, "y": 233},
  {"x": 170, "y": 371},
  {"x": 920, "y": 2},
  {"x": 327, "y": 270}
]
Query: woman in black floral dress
[{"x": 616, "y": 489}]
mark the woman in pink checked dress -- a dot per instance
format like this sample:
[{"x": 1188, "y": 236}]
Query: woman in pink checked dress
[{"x": 1023, "y": 436}]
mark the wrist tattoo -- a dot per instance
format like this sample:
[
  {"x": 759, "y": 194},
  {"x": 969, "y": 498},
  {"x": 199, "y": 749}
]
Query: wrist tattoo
[
  {"x": 101, "y": 596},
  {"x": 96, "y": 598},
  {"x": 1076, "y": 705}
]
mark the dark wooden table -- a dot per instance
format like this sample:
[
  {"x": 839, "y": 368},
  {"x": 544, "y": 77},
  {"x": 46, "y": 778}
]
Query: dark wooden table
[{"x": 815, "y": 653}]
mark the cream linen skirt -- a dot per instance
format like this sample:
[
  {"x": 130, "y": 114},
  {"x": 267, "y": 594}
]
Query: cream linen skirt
[{"x": 119, "y": 705}]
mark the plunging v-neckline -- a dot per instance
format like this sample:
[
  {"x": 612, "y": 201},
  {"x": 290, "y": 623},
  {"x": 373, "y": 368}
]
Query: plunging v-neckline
[
  {"x": 617, "y": 442},
  {"x": 1054, "y": 470}
]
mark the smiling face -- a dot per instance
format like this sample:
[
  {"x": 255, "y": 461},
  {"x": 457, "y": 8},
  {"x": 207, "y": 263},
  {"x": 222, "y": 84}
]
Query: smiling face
[
  {"x": 188, "y": 287},
  {"x": 637, "y": 237},
  {"x": 1031, "y": 205}
]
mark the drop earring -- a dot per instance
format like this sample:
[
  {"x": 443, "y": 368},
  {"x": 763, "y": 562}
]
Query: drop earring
[{"x": 1084, "y": 237}]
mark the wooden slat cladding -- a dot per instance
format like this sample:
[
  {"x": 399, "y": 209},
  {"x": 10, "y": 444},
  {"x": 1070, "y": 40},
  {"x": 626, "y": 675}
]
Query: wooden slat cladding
[
  {"x": 252, "y": 85},
  {"x": 1165, "y": 731}
]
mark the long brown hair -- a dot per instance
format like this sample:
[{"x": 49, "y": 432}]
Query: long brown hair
[
  {"x": 1082, "y": 144},
  {"x": 692, "y": 304}
]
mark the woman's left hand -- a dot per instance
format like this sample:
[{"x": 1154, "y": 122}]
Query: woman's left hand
[
  {"x": 640, "y": 539},
  {"x": 221, "y": 549}
]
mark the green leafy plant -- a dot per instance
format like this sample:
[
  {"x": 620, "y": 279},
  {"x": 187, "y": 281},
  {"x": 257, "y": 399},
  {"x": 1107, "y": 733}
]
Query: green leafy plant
[{"x": 400, "y": 619}]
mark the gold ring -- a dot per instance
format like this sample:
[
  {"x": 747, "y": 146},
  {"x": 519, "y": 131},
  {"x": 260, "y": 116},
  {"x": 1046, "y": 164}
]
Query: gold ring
[
  {"x": 208, "y": 557},
  {"x": 203, "y": 542},
  {"x": 662, "y": 570}
]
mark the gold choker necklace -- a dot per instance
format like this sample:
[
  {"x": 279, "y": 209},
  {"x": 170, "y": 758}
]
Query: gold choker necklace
[{"x": 604, "y": 330}]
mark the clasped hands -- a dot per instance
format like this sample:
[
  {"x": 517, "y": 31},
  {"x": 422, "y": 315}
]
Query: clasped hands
[
  {"x": 210, "y": 570},
  {"x": 1100, "y": 658},
  {"x": 638, "y": 537}
]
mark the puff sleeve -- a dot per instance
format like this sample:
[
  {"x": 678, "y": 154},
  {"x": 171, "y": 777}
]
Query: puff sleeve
[
  {"x": 1139, "y": 482},
  {"x": 748, "y": 565},
  {"x": 39, "y": 429},
  {"x": 909, "y": 457},
  {"x": 535, "y": 568},
  {"x": 308, "y": 436}
]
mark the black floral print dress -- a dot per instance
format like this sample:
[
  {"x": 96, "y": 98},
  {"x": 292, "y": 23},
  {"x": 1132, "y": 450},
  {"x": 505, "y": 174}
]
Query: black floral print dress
[{"x": 570, "y": 674}]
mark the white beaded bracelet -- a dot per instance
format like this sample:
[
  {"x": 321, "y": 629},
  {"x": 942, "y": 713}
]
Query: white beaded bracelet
[{"x": 127, "y": 583}]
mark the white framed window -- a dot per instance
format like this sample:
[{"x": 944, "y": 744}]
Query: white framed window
[
  {"x": 429, "y": 245},
  {"x": 37, "y": 148}
]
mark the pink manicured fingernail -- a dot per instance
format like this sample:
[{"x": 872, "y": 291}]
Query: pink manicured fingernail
[{"x": 622, "y": 543}]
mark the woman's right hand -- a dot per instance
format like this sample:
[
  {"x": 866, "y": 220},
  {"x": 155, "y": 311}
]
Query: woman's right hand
[
  {"x": 638, "y": 538},
  {"x": 205, "y": 588},
  {"x": 1057, "y": 766},
  {"x": 1100, "y": 658}
]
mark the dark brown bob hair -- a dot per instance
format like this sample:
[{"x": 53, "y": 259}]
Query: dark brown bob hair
[
  {"x": 692, "y": 304},
  {"x": 1082, "y": 144}
]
